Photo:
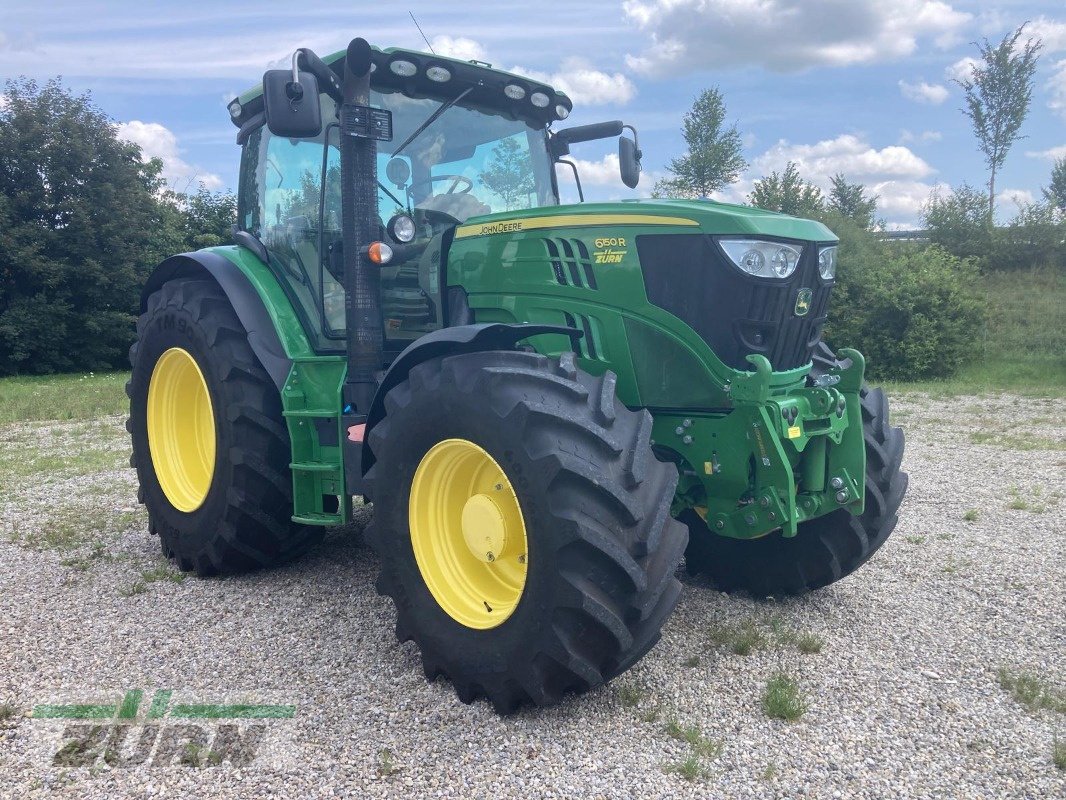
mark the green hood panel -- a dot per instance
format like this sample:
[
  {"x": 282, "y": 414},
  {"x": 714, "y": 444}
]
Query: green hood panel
[{"x": 711, "y": 217}]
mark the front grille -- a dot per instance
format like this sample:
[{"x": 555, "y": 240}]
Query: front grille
[{"x": 736, "y": 314}]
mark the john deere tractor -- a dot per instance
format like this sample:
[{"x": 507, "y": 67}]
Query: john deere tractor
[{"x": 549, "y": 406}]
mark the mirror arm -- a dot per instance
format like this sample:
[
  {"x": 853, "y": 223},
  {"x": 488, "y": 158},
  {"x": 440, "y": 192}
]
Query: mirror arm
[
  {"x": 327, "y": 78},
  {"x": 636, "y": 141},
  {"x": 577, "y": 177}
]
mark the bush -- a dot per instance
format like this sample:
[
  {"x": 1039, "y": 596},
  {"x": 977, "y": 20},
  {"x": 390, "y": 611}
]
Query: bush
[
  {"x": 1034, "y": 238},
  {"x": 914, "y": 313}
]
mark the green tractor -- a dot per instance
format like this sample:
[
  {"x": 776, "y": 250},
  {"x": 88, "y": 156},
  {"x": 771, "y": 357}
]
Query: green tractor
[{"x": 549, "y": 406}]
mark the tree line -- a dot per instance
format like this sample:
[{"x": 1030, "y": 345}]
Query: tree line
[
  {"x": 83, "y": 220},
  {"x": 913, "y": 310}
]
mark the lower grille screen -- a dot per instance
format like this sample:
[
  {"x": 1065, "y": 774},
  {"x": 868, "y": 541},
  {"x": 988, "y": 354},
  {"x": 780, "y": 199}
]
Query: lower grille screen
[{"x": 736, "y": 314}]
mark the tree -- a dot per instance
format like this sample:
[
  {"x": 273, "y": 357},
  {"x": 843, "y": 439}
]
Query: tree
[
  {"x": 959, "y": 222},
  {"x": 1055, "y": 194},
  {"x": 209, "y": 215},
  {"x": 82, "y": 221},
  {"x": 510, "y": 174},
  {"x": 787, "y": 193},
  {"x": 850, "y": 201},
  {"x": 998, "y": 93},
  {"x": 714, "y": 156}
]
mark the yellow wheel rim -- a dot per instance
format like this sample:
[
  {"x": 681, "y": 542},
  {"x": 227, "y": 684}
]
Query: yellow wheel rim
[
  {"x": 181, "y": 429},
  {"x": 468, "y": 534}
]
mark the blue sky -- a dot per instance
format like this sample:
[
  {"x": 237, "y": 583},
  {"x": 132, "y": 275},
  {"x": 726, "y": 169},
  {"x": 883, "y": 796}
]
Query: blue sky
[{"x": 854, "y": 86}]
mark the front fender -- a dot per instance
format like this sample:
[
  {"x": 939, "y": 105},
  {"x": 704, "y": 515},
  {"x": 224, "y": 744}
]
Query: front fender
[{"x": 450, "y": 341}]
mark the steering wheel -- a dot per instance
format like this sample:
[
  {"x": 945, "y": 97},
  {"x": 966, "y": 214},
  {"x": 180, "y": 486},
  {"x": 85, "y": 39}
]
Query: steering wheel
[{"x": 456, "y": 180}]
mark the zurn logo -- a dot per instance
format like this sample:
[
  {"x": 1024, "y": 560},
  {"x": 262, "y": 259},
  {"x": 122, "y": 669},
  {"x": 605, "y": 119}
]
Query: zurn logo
[{"x": 138, "y": 731}]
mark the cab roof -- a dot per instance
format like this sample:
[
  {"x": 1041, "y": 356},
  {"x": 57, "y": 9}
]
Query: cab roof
[{"x": 487, "y": 86}]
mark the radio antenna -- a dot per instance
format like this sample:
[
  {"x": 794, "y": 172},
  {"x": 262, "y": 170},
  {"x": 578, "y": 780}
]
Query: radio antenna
[{"x": 415, "y": 21}]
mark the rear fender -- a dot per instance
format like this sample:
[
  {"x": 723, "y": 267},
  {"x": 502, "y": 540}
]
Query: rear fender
[{"x": 243, "y": 296}]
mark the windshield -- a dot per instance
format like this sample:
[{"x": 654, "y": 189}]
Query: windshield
[{"x": 464, "y": 164}]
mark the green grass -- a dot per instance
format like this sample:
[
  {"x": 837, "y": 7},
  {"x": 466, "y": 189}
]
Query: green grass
[
  {"x": 971, "y": 515},
  {"x": 387, "y": 763},
  {"x": 62, "y": 397},
  {"x": 163, "y": 573},
  {"x": 769, "y": 773},
  {"x": 71, "y": 528},
  {"x": 85, "y": 448},
  {"x": 630, "y": 695},
  {"x": 135, "y": 588},
  {"x": 1032, "y": 692},
  {"x": 700, "y": 744},
  {"x": 769, "y": 632},
  {"x": 691, "y": 661},
  {"x": 809, "y": 643},
  {"x": 741, "y": 639},
  {"x": 690, "y": 769},
  {"x": 782, "y": 698},
  {"x": 196, "y": 755},
  {"x": 7, "y": 712},
  {"x": 1058, "y": 754}
]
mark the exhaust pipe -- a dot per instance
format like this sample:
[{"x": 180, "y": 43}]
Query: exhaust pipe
[{"x": 362, "y": 308}]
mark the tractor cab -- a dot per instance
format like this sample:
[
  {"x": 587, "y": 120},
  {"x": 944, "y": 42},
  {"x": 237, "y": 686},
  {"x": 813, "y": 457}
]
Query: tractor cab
[{"x": 465, "y": 140}]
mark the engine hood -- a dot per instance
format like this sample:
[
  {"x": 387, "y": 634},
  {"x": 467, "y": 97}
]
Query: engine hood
[{"x": 707, "y": 216}]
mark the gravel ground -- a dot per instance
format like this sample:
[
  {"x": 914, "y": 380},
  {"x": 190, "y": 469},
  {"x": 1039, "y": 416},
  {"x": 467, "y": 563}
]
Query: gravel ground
[{"x": 903, "y": 698}]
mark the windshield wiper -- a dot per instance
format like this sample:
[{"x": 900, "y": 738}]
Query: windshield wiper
[{"x": 431, "y": 119}]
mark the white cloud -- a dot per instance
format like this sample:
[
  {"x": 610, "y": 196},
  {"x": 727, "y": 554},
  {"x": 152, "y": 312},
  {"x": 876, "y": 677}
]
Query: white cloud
[
  {"x": 1051, "y": 154},
  {"x": 929, "y": 93},
  {"x": 158, "y": 141},
  {"x": 906, "y": 136},
  {"x": 1014, "y": 199},
  {"x": 1056, "y": 86},
  {"x": 1051, "y": 32},
  {"x": 848, "y": 154},
  {"x": 901, "y": 200},
  {"x": 604, "y": 172},
  {"x": 961, "y": 69},
  {"x": 458, "y": 47},
  {"x": 585, "y": 85},
  {"x": 786, "y": 35}
]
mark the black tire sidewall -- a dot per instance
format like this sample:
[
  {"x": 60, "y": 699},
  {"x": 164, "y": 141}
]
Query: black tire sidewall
[{"x": 166, "y": 327}]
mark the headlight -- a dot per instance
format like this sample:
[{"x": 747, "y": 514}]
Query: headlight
[
  {"x": 401, "y": 228},
  {"x": 403, "y": 68},
  {"x": 827, "y": 262},
  {"x": 762, "y": 259}
]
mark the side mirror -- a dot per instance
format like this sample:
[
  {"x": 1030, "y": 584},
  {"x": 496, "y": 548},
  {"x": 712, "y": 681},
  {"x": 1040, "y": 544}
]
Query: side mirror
[
  {"x": 629, "y": 161},
  {"x": 292, "y": 104}
]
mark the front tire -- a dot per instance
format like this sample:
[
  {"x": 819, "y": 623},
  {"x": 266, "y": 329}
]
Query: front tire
[
  {"x": 591, "y": 519},
  {"x": 825, "y": 549},
  {"x": 210, "y": 445}
]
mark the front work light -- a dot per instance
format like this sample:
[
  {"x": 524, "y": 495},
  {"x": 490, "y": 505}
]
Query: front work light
[
  {"x": 539, "y": 99},
  {"x": 514, "y": 91},
  {"x": 405, "y": 69},
  {"x": 438, "y": 74},
  {"x": 827, "y": 262},
  {"x": 761, "y": 258},
  {"x": 401, "y": 228}
]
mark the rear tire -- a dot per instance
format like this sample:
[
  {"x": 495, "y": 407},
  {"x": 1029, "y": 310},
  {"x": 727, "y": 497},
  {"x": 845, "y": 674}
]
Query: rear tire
[
  {"x": 244, "y": 519},
  {"x": 602, "y": 546},
  {"x": 825, "y": 549}
]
